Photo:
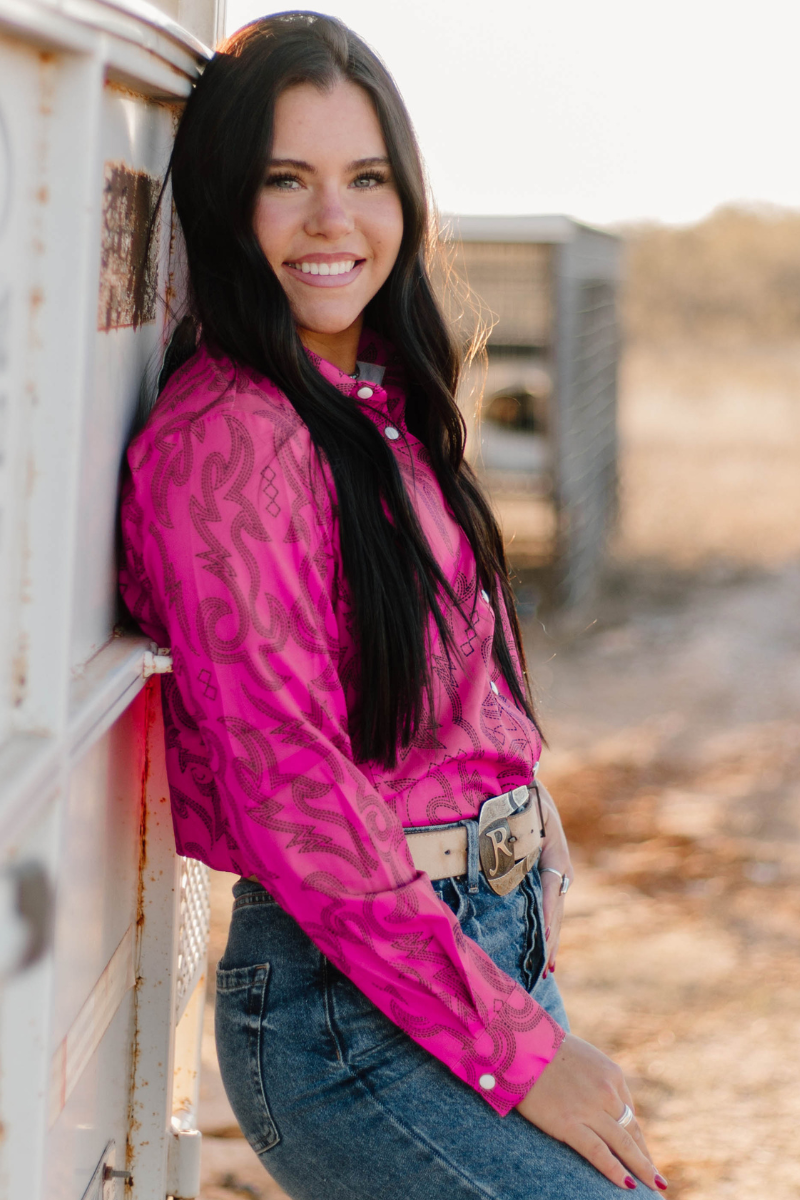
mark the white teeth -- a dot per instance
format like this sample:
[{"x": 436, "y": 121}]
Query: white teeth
[{"x": 312, "y": 268}]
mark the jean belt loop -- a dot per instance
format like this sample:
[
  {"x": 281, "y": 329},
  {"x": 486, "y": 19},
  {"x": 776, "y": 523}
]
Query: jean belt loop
[{"x": 473, "y": 859}]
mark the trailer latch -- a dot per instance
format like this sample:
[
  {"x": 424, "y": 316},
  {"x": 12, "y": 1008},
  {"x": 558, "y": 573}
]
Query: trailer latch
[
  {"x": 183, "y": 1164},
  {"x": 159, "y": 663}
]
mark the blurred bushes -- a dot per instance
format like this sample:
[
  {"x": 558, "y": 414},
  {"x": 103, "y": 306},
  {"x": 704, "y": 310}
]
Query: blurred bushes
[{"x": 732, "y": 278}]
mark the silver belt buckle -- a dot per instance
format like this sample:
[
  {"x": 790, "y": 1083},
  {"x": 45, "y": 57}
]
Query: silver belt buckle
[{"x": 496, "y": 842}]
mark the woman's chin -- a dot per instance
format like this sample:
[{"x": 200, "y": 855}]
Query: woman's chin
[{"x": 329, "y": 324}]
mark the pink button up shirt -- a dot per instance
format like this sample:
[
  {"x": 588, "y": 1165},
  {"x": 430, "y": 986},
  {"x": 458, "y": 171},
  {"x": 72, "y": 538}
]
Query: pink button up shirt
[{"x": 232, "y": 558}]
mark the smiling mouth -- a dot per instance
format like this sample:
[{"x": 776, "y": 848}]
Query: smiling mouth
[{"x": 323, "y": 268}]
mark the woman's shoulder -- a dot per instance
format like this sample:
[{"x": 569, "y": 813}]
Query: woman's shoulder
[
  {"x": 220, "y": 430},
  {"x": 210, "y": 396}
]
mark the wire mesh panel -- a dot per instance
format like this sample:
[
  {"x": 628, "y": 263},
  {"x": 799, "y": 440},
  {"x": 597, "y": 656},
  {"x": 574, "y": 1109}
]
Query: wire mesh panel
[
  {"x": 195, "y": 916},
  {"x": 513, "y": 282}
]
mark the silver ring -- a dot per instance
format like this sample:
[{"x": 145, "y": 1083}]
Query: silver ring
[
  {"x": 626, "y": 1118},
  {"x": 565, "y": 879}
]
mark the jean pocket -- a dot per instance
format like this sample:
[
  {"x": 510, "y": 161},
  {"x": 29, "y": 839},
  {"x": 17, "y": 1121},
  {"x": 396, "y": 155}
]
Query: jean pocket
[
  {"x": 363, "y": 1035},
  {"x": 240, "y": 1018}
]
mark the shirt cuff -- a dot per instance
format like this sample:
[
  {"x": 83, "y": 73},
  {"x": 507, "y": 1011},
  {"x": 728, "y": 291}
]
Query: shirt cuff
[{"x": 505, "y": 1060}]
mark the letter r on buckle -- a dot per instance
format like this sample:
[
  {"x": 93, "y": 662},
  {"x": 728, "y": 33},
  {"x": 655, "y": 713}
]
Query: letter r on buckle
[
  {"x": 496, "y": 844},
  {"x": 498, "y": 836}
]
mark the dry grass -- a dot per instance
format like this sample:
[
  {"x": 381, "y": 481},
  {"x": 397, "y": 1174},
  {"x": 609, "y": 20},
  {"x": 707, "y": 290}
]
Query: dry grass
[
  {"x": 710, "y": 453},
  {"x": 733, "y": 278}
]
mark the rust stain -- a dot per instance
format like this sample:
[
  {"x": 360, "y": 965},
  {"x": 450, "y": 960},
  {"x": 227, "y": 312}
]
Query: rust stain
[
  {"x": 128, "y": 260},
  {"x": 113, "y": 85},
  {"x": 19, "y": 674},
  {"x": 150, "y": 700}
]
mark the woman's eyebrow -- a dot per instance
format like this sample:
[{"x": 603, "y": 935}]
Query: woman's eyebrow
[
  {"x": 297, "y": 164},
  {"x": 358, "y": 163}
]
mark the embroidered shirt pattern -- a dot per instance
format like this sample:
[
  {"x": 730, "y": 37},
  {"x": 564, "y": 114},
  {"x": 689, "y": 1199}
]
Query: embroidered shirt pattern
[{"x": 231, "y": 557}]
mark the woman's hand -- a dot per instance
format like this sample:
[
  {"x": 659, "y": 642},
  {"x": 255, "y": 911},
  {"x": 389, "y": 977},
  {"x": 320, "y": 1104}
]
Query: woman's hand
[
  {"x": 554, "y": 857},
  {"x": 578, "y": 1099}
]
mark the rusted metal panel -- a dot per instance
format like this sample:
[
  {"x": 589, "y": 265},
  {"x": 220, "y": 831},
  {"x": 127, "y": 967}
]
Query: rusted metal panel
[
  {"x": 81, "y": 315},
  {"x": 129, "y": 248}
]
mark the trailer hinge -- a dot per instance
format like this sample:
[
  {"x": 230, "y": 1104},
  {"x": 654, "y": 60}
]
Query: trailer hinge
[
  {"x": 183, "y": 1164},
  {"x": 156, "y": 664}
]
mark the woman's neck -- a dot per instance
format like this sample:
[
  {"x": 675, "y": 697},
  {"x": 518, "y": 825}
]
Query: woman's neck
[{"x": 337, "y": 348}]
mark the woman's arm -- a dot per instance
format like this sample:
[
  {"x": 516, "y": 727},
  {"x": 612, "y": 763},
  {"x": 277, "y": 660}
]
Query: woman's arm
[{"x": 230, "y": 548}]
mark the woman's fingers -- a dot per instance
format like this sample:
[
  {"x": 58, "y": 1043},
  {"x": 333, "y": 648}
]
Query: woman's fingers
[
  {"x": 553, "y": 907},
  {"x": 579, "y": 1098},
  {"x": 596, "y": 1151},
  {"x": 634, "y": 1129},
  {"x": 628, "y": 1146},
  {"x": 554, "y": 858}
]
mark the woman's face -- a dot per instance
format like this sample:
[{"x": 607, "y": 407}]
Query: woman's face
[{"x": 328, "y": 217}]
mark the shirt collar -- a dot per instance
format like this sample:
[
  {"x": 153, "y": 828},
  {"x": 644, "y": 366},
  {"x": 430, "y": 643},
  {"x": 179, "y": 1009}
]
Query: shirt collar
[
  {"x": 381, "y": 375},
  {"x": 373, "y": 356}
]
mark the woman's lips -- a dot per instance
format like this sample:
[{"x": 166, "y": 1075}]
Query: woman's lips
[{"x": 328, "y": 281}]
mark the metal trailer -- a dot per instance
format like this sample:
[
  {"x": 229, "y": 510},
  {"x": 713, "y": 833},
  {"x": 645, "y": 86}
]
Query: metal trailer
[
  {"x": 547, "y": 447},
  {"x": 103, "y": 929}
]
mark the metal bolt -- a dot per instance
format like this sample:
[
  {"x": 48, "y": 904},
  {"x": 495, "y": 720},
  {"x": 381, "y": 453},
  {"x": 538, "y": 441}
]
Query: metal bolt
[{"x": 110, "y": 1173}]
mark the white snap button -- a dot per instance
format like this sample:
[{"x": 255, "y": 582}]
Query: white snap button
[
  {"x": 494, "y": 688},
  {"x": 392, "y": 433},
  {"x": 364, "y": 393},
  {"x": 487, "y": 1082},
  {"x": 484, "y": 595}
]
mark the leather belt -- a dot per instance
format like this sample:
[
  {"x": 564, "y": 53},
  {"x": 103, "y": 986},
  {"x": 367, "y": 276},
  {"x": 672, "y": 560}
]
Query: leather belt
[{"x": 511, "y": 829}]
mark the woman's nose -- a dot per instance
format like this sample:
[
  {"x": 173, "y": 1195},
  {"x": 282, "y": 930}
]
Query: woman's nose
[{"x": 329, "y": 217}]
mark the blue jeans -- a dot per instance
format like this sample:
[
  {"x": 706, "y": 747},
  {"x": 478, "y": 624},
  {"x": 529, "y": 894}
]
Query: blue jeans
[{"x": 340, "y": 1104}]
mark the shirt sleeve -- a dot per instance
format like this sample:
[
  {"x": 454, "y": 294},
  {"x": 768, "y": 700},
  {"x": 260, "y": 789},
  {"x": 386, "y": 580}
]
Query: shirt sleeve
[{"x": 233, "y": 555}]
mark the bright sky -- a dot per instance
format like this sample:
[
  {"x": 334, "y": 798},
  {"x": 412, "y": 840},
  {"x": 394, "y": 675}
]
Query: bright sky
[{"x": 607, "y": 110}]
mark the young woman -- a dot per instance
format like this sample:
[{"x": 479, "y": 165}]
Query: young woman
[{"x": 348, "y": 724}]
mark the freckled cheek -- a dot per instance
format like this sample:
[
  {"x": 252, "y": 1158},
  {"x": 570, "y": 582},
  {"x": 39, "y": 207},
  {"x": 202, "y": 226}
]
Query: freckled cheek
[
  {"x": 274, "y": 228},
  {"x": 386, "y": 235}
]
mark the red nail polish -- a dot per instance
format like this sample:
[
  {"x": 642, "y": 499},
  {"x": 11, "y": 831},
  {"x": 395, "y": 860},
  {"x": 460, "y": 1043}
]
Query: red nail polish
[
  {"x": 553, "y": 968},
  {"x": 661, "y": 1183},
  {"x": 544, "y": 976},
  {"x": 629, "y": 1183}
]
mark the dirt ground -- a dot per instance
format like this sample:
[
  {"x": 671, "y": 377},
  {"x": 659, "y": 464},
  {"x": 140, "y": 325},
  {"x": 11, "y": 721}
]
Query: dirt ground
[{"x": 673, "y": 716}]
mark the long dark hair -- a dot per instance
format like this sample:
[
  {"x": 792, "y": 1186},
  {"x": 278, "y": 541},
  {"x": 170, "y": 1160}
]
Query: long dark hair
[{"x": 217, "y": 168}]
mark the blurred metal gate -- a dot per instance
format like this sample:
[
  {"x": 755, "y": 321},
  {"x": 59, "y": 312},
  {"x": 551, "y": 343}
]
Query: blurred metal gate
[
  {"x": 102, "y": 929},
  {"x": 547, "y": 447}
]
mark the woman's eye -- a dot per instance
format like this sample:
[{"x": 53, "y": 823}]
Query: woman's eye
[
  {"x": 370, "y": 179},
  {"x": 282, "y": 183}
]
